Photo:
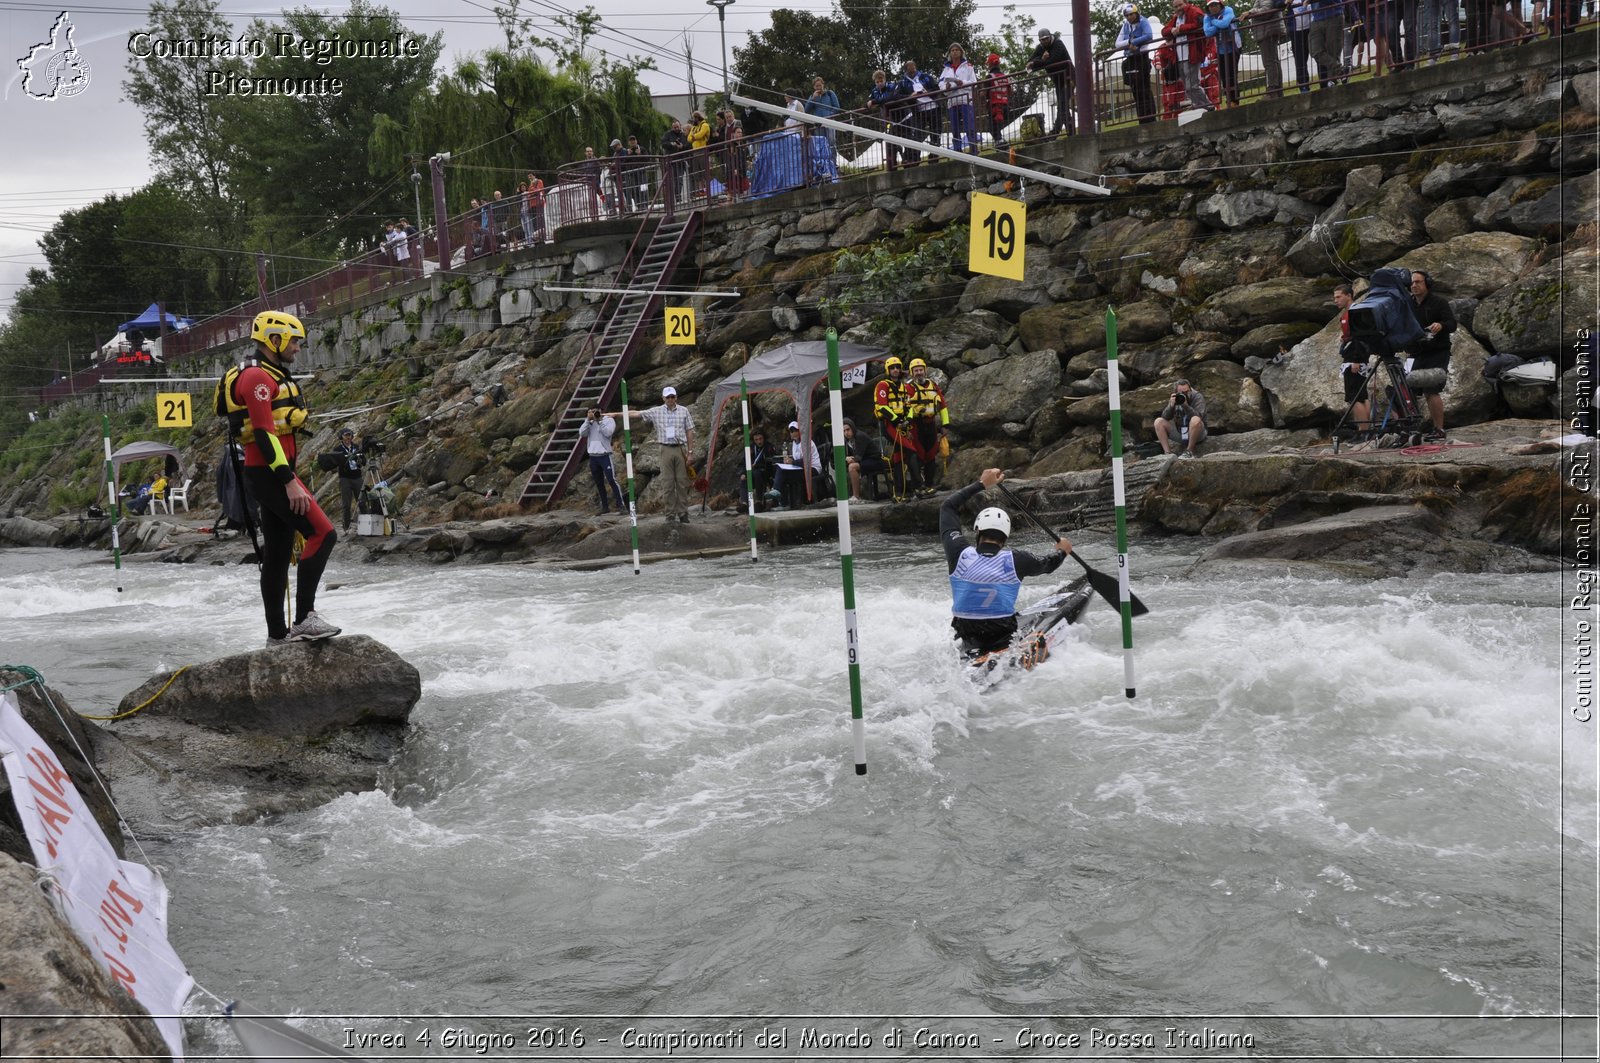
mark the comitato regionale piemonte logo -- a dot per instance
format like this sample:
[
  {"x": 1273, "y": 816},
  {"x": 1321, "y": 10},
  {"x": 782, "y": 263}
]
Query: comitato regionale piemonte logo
[{"x": 55, "y": 69}]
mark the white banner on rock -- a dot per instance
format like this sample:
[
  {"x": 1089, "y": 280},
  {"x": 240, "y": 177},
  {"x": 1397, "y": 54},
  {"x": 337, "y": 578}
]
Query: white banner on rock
[{"x": 117, "y": 908}]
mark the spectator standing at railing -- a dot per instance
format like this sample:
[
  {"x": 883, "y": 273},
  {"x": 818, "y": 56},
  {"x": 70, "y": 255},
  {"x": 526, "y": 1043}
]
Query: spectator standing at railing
[
  {"x": 957, "y": 79},
  {"x": 618, "y": 198},
  {"x": 1327, "y": 37},
  {"x": 502, "y": 220},
  {"x": 699, "y": 133},
  {"x": 413, "y": 241},
  {"x": 1267, "y": 27},
  {"x": 535, "y": 196},
  {"x": 1297, "y": 16},
  {"x": 675, "y": 146},
  {"x": 996, "y": 86},
  {"x": 1220, "y": 25},
  {"x": 1186, "y": 29},
  {"x": 637, "y": 170},
  {"x": 1133, "y": 42},
  {"x": 1051, "y": 56},
  {"x": 1431, "y": 12},
  {"x": 919, "y": 88},
  {"x": 824, "y": 103},
  {"x": 395, "y": 243},
  {"x": 589, "y": 173},
  {"x": 885, "y": 96},
  {"x": 525, "y": 208}
]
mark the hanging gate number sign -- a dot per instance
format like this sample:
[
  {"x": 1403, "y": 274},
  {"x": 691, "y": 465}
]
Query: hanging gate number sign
[
  {"x": 174, "y": 409},
  {"x": 680, "y": 325},
  {"x": 998, "y": 230}
]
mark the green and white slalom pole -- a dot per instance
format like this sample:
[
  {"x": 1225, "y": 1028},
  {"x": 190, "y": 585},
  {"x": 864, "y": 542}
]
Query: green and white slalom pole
[
  {"x": 627, "y": 457},
  {"x": 1120, "y": 498},
  {"x": 749, "y": 470},
  {"x": 847, "y": 566},
  {"x": 111, "y": 497}
]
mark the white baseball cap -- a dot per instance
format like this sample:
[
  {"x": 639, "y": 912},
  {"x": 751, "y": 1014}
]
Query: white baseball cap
[
  {"x": 669, "y": 391},
  {"x": 794, "y": 424}
]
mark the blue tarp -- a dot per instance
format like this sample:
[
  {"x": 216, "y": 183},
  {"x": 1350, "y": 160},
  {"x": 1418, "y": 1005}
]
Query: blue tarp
[
  {"x": 150, "y": 321},
  {"x": 781, "y": 164}
]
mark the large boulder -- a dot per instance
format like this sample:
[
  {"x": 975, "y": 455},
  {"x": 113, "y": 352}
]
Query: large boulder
[
  {"x": 1237, "y": 258},
  {"x": 300, "y": 688},
  {"x": 1557, "y": 210},
  {"x": 950, "y": 337},
  {"x": 1539, "y": 314},
  {"x": 60, "y": 1004},
  {"x": 1277, "y": 301},
  {"x": 273, "y": 731},
  {"x": 1384, "y": 227},
  {"x": 1009, "y": 390},
  {"x": 1473, "y": 265},
  {"x": 24, "y": 531},
  {"x": 1305, "y": 390},
  {"x": 1008, "y": 297},
  {"x": 1120, "y": 251}
]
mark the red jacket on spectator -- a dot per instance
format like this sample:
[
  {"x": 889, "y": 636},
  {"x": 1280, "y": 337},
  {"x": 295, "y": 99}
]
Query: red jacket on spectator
[{"x": 1187, "y": 24}]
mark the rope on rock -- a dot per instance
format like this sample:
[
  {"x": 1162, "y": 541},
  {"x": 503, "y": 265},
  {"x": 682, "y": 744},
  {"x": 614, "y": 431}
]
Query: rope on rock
[{"x": 143, "y": 704}]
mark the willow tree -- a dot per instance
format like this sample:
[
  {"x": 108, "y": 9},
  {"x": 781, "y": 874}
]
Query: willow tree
[{"x": 508, "y": 111}]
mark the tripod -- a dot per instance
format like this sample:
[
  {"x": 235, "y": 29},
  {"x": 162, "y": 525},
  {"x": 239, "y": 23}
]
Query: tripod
[{"x": 1403, "y": 417}]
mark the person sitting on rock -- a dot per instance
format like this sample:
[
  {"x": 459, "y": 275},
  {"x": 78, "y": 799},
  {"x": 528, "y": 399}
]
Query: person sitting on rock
[
  {"x": 1183, "y": 417},
  {"x": 862, "y": 457},
  {"x": 791, "y": 477}
]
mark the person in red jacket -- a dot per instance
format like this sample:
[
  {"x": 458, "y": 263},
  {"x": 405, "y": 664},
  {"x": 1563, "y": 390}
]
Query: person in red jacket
[
  {"x": 265, "y": 409},
  {"x": 1186, "y": 30},
  {"x": 997, "y": 95}
]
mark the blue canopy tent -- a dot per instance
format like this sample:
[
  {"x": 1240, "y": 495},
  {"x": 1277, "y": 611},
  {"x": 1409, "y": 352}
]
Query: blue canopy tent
[{"x": 152, "y": 319}]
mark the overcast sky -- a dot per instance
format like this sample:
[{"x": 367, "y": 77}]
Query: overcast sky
[{"x": 64, "y": 153}]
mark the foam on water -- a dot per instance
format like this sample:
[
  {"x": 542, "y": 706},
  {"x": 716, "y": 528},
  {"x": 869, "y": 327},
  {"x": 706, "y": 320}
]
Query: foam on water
[{"x": 633, "y": 793}]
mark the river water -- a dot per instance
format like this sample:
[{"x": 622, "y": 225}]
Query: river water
[{"x": 1340, "y": 818}]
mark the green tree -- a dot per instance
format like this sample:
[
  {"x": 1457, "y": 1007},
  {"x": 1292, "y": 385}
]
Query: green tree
[
  {"x": 306, "y": 163},
  {"x": 845, "y": 46},
  {"x": 186, "y": 129},
  {"x": 503, "y": 113}
]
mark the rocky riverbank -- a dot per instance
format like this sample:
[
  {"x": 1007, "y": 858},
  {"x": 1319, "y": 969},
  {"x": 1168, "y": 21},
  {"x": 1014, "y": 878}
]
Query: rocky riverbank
[{"x": 230, "y": 740}]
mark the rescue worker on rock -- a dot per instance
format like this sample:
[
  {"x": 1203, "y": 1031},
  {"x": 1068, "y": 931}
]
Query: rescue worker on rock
[
  {"x": 985, "y": 577},
  {"x": 930, "y": 423},
  {"x": 265, "y": 408},
  {"x": 890, "y": 407}
]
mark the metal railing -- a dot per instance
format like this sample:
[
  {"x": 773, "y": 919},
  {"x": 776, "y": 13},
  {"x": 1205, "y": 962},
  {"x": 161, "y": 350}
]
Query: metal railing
[{"x": 1376, "y": 43}]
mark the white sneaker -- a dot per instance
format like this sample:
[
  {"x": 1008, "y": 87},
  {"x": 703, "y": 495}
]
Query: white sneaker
[
  {"x": 1186, "y": 454},
  {"x": 271, "y": 642},
  {"x": 854, "y": 500},
  {"x": 312, "y": 629}
]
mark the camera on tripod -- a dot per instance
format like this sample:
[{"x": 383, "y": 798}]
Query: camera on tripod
[
  {"x": 1382, "y": 323},
  {"x": 376, "y": 446}
]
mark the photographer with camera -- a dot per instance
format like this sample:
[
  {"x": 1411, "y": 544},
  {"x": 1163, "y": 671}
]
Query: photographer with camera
[
  {"x": 596, "y": 433},
  {"x": 1432, "y": 352},
  {"x": 347, "y": 461},
  {"x": 1183, "y": 415}
]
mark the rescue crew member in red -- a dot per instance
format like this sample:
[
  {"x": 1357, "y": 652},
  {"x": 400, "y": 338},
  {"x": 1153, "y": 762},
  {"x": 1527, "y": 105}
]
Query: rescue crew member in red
[
  {"x": 265, "y": 409},
  {"x": 930, "y": 422},
  {"x": 985, "y": 578},
  {"x": 889, "y": 405}
]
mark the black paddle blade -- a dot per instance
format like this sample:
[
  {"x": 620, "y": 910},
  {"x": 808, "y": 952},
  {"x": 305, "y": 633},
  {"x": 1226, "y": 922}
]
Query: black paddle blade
[{"x": 1106, "y": 587}]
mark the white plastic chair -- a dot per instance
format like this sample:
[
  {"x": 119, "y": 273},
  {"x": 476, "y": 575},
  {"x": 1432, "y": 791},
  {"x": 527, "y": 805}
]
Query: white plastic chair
[{"x": 180, "y": 494}]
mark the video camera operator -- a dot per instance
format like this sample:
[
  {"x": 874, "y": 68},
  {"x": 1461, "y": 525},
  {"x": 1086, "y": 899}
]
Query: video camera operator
[
  {"x": 1183, "y": 415},
  {"x": 1432, "y": 352}
]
